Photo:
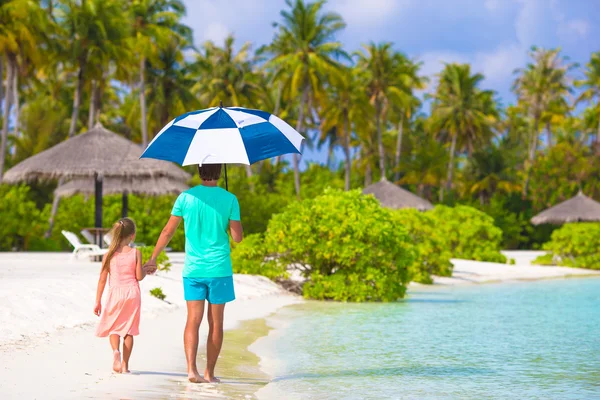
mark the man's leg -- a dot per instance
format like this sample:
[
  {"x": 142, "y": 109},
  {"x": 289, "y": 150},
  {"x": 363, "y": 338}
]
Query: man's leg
[
  {"x": 214, "y": 340},
  {"x": 195, "y": 311}
]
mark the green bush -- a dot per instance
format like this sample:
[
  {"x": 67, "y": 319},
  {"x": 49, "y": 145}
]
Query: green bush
[
  {"x": 575, "y": 245},
  {"x": 433, "y": 255},
  {"x": 250, "y": 257},
  {"x": 343, "y": 241},
  {"x": 162, "y": 261},
  {"x": 470, "y": 233},
  {"x": 546, "y": 259},
  {"x": 158, "y": 293},
  {"x": 20, "y": 221}
]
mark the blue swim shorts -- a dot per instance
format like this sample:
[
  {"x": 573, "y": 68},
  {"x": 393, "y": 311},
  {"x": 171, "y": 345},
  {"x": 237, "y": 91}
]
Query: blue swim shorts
[{"x": 215, "y": 290}]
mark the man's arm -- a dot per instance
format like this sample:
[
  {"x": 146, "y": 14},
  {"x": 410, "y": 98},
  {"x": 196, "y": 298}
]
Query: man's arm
[
  {"x": 237, "y": 232},
  {"x": 165, "y": 237}
]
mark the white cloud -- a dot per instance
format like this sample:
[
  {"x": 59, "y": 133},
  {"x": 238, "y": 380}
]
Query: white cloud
[
  {"x": 367, "y": 12},
  {"x": 573, "y": 29},
  {"x": 498, "y": 65}
]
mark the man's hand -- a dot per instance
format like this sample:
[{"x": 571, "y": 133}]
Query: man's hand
[
  {"x": 98, "y": 309},
  {"x": 150, "y": 267}
]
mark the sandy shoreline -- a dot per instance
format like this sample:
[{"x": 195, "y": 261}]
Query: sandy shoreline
[
  {"x": 47, "y": 345},
  {"x": 47, "y": 328}
]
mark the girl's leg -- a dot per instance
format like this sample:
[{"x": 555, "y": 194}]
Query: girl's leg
[
  {"x": 115, "y": 343},
  {"x": 127, "y": 348}
]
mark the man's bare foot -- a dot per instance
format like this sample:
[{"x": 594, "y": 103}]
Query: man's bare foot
[
  {"x": 211, "y": 379},
  {"x": 196, "y": 378},
  {"x": 117, "y": 361}
]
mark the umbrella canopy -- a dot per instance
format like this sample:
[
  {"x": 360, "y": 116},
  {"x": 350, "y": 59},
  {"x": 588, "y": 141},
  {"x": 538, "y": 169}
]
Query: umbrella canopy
[
  {"x": 140, "y": 186},
  {"x": 392, "y": 196},
  {"x": 224, "y": 136},
  {"x": 577, "y": 209},
  {"x": 96, "y": 153}
]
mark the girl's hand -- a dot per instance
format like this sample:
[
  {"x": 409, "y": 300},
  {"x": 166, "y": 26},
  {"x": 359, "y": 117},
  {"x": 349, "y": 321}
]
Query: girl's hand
[{"x": 98, "y": 309}]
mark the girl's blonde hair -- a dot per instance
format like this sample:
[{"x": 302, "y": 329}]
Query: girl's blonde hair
[{"x": 122, "y": 229}]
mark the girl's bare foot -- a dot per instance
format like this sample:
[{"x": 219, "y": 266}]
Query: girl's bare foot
[
  {"x": 117, "y": 361},
  {"x": 125, "y": 368}
]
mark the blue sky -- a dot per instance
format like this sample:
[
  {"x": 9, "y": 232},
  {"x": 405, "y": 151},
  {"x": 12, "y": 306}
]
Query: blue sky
[{"x": 492, "y": 35}]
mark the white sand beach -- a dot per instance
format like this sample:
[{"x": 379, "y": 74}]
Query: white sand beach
[
  {"x": 48, "y": 349},
  {"x": 47, "y": 345},
  {"x": 473, "y": 272}
]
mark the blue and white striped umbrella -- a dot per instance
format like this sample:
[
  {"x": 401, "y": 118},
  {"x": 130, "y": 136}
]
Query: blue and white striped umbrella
[{"x": 221, "y": 135}]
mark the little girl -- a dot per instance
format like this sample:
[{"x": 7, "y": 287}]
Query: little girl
[{"x": 121, "y": 314}]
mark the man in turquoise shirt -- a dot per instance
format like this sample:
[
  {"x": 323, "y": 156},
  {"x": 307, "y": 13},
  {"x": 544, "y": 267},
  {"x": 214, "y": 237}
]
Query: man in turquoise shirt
[{"x": 207, "y": 211}]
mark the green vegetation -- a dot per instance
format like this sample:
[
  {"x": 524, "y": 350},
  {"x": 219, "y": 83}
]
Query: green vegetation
[
  {"x": 470, "y": 233},
  {"x": 252, "y": 257},
  {"x": 574, "y": 245},
  {"x": 433, "y": 250},
  {"x": 158, "y": 293}
]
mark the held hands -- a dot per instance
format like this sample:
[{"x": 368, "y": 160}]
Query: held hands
[
  {"x": 98, "y": 309},
  {"x": 150, "y": 267}
]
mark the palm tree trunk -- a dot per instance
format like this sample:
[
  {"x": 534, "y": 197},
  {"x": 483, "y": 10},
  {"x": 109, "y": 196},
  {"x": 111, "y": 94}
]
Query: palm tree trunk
[
  {"x": 77, "y": 99},
  {"x": 299, "y": 127},
  {"x": 549, "y": 134},
  {"x": 1, "y": 83},
  {"x": 399, "y": 148},
  {"x": 276, "y": 111},
  {"x": 15, "y": 90},
  {"x": 597, "y": 138},
  {"x": 249, "y": 175},
  {"x": 368, "y": 169},
  {"x": 380, "y": 144},
  {"x": 92, "y": 112},
  {"x": 348, "y": 166},
  {"x": 53, "y": 212},
  {"x": 143, "y": 124},
  {"x": 450, "y": 166},
  {"x": 533, "y": 144},
  {"x": 5, "y": 117}
]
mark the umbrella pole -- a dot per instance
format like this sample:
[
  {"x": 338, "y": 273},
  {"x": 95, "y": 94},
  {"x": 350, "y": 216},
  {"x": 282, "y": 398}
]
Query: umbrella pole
[
  {"x": 98, "y": 212},
  {"x": 226, "y": 183},
  {"x": 124, "y": 205}
]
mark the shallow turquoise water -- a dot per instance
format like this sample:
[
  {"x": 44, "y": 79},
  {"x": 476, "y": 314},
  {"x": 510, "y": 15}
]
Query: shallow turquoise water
[{"x": 531, "y": 340}]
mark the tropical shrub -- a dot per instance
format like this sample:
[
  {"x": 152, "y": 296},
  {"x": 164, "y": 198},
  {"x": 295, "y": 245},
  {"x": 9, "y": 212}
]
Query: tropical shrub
[
  {"x": 158, "y": 293},
  {"x": 251, "y": 257},
  {"x": 20, "y": 220},
  {"x": 470, "y": 233},
  {"x": 433, "y": 254},
  {"x": 575, "y": 245},
  {"x": 346, "y": 245}
]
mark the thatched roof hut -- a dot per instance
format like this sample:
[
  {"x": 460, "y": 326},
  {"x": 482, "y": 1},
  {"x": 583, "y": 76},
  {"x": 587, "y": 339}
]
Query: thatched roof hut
[
  {"x": 95, "y": 153},
  {"x": 140, "y": 186},
  {"x": 577, "y": 209},
  {"x": 393, "y": 196}
]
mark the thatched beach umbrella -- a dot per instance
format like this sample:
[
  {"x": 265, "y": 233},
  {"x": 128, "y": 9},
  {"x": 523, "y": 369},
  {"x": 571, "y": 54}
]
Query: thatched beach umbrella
[
  {"x": 147, "y": 186},
  {"x": 392, "y": 196},
  {"x": 577, "y": 209},
  {"x": 97, "y": 154}
]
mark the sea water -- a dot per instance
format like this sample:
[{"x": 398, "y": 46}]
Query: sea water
[{"x": 523, "y": 340}]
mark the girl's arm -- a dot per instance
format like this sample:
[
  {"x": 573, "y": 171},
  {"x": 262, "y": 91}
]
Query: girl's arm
[
  {"x": 139, "y": 271},
  {"x": 101, "y": 285}
]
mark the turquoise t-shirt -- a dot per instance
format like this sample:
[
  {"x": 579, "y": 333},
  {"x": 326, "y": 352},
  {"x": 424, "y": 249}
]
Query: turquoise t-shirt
[{"x": 206, "y": 212}]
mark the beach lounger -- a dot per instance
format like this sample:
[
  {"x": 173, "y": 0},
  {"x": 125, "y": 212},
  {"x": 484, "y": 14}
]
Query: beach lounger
[
  {"x": 90, "y": 250},
  {"x": 88, "y": 236}
]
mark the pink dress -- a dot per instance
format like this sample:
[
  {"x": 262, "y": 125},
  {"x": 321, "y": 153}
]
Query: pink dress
[{"x": 121, "y": 313}]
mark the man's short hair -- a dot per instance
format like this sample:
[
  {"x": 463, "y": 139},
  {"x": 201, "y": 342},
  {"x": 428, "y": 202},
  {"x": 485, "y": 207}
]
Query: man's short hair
[{"x": 209, "y": 172}]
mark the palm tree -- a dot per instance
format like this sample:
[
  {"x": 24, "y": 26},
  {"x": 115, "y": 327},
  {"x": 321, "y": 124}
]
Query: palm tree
[
  {"x": 408, "y": 76},
  {"x": 344, "y": 106},
  {"x": 381, "y": 65},
  {"x": 20, "y": 24},
  {"x": 304, "y": 54},
  {"x": 540, "y": 86},
  {"x": 461, "y": 112},
  {"x": 94, "y": 32},
  {"x": 225, "y": 76},
  {"x": 154, "y": 24},
  {"x": 591, "y": 93}
]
